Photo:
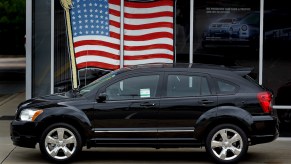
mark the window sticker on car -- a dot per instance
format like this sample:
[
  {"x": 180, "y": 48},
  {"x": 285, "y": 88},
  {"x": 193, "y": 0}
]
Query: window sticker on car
[{"x": 145, "y": 93}]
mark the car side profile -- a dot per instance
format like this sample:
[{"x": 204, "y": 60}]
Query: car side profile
[{"x": 159, "y": 106}]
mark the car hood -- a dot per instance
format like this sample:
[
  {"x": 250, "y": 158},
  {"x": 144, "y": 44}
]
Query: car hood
[{"x": 45, "y": 100}]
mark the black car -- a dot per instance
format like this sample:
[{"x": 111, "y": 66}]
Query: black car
[{"x": 159, "y": 105}]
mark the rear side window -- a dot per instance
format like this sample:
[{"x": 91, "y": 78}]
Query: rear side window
[
  {"x": 186, "y": 85},
  {"x": 226, "y": 87}
]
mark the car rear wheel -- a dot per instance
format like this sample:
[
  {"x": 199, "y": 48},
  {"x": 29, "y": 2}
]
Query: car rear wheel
[
  {"x": 226, "y": 143},
  {"x": 60, "y": 142}
]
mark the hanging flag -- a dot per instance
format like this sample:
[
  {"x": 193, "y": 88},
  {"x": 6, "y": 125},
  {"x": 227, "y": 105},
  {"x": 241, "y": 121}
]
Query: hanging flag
[
  {"x": 148, "y": 32},
  {"x": 96, "y": 33}
]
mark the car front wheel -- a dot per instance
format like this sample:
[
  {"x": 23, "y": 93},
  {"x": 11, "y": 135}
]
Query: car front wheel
[
  {"x": 226, "y": 143},
  {"x": 60, "y": 142}
]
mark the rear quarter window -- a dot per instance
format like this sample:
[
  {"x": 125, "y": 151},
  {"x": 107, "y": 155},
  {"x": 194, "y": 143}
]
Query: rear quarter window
[{"x": 225, "y": 87}]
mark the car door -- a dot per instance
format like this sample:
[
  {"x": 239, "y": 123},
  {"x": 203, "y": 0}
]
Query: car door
[
  {"x": 130, "y": 109},
  {"x": 185, "y": 98}
]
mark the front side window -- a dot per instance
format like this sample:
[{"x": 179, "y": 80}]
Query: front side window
[
  {"x": 98, "y": 82},
  {"x": 183, "y": 86},
  {"x": 138, "y": 87}
]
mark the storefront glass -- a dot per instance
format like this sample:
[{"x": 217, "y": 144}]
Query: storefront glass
[
  {"x": 277, "y": 59},
  {"x": 227, "y": 33},
  {"x": 41, "y": 47},
  {"x": 158, "y": 33},
  {"x": 182, "y": 30}
]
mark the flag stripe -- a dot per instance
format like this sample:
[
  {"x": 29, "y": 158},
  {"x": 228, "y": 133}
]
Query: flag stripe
[
  {"x": 96, "y": 42},
  {"x": 150, "y": 15},
  {"x": 153, "y": 46},
  {"x": 100, "y": 38},
  {"x": 149, "y": 36},
  {"x": 148, "y": 43},
  {"x": 147, "y": 31},
  {"x": 98, "y": 48},
  {"x": 149, "y": 51},
  {"x": 148, "y": 5},
  {"x": 147, "y": 56},
  {"x": 97, "y": 64},
  {"x": 149, "y": 25},
  {"x": 147, "y": 61},
  {"x": 102, "y": 59},
  {"x": 97, "y": 53},
  {"x": 148, "y": 20}
]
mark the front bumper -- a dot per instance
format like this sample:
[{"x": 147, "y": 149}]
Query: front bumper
[
  {"x": 23, "y": 133},
  {"x": 264, "y": 129}
]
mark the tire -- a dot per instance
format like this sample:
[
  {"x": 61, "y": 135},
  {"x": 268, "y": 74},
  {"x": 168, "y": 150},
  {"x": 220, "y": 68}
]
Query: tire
[
  {"x": 60, "y": 142},
  {"x": 226, "y": 143}
]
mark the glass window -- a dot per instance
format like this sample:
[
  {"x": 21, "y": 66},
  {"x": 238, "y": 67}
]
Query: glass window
[
  {"x": 226, "y": 87},
  {"x": 277, "y": 59},
  {"x": 98, "y": 82},
  {"x": 182, "y": 30},
  {"x": 183, "y": 85},
  {"x": 138, "y": 87},
  {"x": 41, "y": 48},
  {"x": 227, "y": 33}
]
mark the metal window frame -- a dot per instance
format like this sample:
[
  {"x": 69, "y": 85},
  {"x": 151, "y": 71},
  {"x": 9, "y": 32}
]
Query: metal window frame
[
  {"x": 191, "y": 31},
  {"x": 52, "y": 46},
  {"x": 28, "y": 50},
  {"x": 121, "y": 49},
  {"x": 261, "y": 42}
]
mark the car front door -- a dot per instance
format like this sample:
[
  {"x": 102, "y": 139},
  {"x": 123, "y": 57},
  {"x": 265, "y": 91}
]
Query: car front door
[
  {"x": 129, "y": 110},
  {"x": 185, "y": 98}
]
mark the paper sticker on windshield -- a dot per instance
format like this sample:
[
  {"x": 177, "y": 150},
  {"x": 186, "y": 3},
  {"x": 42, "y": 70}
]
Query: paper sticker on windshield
[{"x": 145, "y": 93}]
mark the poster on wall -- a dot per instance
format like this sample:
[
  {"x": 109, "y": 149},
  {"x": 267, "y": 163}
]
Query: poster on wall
[
  {"x": 95, "y": 38},
  {"x": 226, "y": 24},
  {"x": 227, "y": 33}
]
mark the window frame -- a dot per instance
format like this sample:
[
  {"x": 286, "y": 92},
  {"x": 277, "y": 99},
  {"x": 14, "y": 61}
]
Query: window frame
[
  {"x": 218, "y": 92},
  {"x": 131, "y": 75},
  {"x": 207, "y": 76}
]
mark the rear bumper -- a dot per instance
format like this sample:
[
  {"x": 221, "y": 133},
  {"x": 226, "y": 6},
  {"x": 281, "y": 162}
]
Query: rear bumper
[
  {"x": 23, "y": 133},
  {"x": 264, "y": 129}
]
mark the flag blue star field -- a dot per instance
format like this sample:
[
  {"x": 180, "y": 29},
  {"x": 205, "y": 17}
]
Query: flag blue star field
[{"x": 148, "y": 32}]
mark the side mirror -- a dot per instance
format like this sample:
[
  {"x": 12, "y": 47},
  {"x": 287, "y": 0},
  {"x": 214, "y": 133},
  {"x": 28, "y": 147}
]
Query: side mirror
[{"x": 102, "y": 97}]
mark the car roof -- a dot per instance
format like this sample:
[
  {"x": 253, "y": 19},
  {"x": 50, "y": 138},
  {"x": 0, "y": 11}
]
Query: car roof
[{"x": 194, "y": 67}]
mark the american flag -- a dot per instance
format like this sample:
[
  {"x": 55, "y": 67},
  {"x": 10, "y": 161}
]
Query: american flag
[{"x": 148, "y": 32}]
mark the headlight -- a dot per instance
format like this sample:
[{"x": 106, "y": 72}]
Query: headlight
[{"x": 29, "y": 114}]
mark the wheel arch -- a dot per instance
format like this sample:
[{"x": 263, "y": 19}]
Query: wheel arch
[
  {"x": 82, "y": 124},
  {"x": 224, "y": 115}
]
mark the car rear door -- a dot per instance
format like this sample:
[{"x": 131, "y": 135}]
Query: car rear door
[{"x": 186, "y": 96}]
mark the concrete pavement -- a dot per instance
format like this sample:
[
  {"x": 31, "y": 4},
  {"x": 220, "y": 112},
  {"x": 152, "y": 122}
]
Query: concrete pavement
[{"x": 277, "y": 152}]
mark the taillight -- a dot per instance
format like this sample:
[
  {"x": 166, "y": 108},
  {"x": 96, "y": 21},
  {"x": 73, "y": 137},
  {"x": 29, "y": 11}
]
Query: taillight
[{"x": 265, "y": 99}]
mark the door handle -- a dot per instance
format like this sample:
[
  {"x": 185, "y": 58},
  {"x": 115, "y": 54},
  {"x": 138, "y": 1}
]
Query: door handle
[
  {"x": 205, "y": 102},
  {"x": 147, "y": 104}
]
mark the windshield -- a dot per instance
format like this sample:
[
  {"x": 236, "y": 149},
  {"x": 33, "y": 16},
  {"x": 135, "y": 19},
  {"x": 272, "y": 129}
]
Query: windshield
[{"x": 97, "y": 82}]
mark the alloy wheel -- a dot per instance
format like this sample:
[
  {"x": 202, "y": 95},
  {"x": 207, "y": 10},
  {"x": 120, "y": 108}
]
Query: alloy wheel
[{"x": 226, "y": 144}]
